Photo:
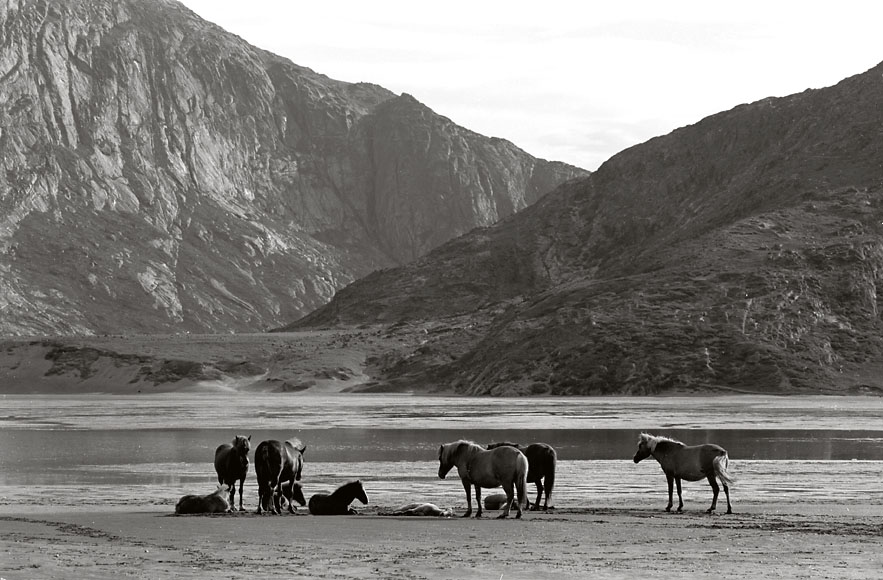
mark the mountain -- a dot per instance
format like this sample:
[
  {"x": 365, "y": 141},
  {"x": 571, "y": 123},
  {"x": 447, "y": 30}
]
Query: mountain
[
  {"x": 741, "y": 253},
  {"x": 162, "y": 175}
]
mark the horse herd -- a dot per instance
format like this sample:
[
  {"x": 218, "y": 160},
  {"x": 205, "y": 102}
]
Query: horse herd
[{"x": 279, "y": 464}]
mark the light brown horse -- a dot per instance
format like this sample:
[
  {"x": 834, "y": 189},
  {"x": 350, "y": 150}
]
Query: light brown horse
[
  {"x": 479, "y": 467},
  {"x": 212, "y": 503},
  {"x": 542, "y": 459},
  {"x": 680, "y": 461}
]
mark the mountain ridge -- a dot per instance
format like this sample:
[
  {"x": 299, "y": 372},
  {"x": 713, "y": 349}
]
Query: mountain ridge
[
  {"x": 163, "y": 175},
  {"x": 693, "y": 261}
]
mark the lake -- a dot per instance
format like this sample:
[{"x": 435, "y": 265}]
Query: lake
[{"x": 102, "y": 450}]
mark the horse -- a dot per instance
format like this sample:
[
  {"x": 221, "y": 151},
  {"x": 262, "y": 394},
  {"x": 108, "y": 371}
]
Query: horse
[
  {"x": 680, "y": 461},
  {"x": 479, "y": 467},
  {"x": 422, "y": 509},
  {"x": 204, "y": 504},
  {"x": 337, "y": 503},
  {"x": 276, "y": 464},
  {"x": 542, "y": 460},
  {"x": 231, "y": 464},
  {"x": 495, "y": 501}
]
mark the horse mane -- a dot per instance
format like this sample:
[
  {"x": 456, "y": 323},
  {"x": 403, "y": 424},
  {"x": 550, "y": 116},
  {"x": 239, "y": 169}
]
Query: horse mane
[{"x": 653, "y": 440}]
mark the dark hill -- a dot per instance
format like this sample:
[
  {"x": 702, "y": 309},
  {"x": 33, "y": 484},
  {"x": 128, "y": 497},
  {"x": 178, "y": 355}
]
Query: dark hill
[
  {"x": 162, "y": 175},
  {"x": 741, "y": 253}
]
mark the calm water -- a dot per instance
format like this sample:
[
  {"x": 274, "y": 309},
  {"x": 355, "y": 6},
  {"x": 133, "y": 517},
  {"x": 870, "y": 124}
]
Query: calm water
[{"x": 122, "y": 450}]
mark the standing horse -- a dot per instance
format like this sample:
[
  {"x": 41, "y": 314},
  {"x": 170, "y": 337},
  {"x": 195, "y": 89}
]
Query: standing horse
[
  {"x": 692, "y": 463},
  {"x": 542, "y": 460},
  {"x": 337, "y": 503},
  {"x": 231, "y": 464},
  {"x": 480, "y": 467},
  {"x": 276, "y": 464}
]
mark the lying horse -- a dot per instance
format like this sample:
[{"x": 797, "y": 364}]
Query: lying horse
[
  {"x": 422, "y": 509},
  {"x": 231, "y": 464},
  {"x": 479, "y": 467},
  {"x": 692, "y": 463},
  {"x": 337, "y": 503},
  {"x": 278, "y": 467},
  {"x": 542, "y": 460},
  {"x": 204, "y": 504},
  {"x": 495, "y": 501}
]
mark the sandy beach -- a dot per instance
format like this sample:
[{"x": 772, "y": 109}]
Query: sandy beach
[{"x": 816, "y": 541}]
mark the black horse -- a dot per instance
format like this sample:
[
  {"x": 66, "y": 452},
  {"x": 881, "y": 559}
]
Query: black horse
[
  {"x": 278, "y": 466},
  {"x": 338, "y": 502},
  {"x": 231, "y": 464},
  {"x": 541, "y": 459}
]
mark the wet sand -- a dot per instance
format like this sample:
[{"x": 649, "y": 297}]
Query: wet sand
[{"x": 808, "y": 541}]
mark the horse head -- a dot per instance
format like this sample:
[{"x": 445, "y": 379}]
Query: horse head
[
  {"x": 360, "y": 493},
  {"x": 445, "y": 462},
  {"x": 242, "y": 443},
  {"x": 297, "y": 494},
  {"x": 646, "y": 444}
]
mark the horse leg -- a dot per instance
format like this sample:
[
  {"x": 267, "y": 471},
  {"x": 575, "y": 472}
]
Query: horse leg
[
  {"x": 241, "y": 482},
  {"x": 232, "y": 492},
  {"x": 478, "y": 500},
  {"x": 727, "y": 492},
  {"x": 671, "y": 483},
  {"x": 276, "y": 496},
  {"x": 680, "y": 498},
  {"x": 510, "y": 497},
  {"x": 536, "y": 506},
  {"x": 468, "y": 489},
  {"x": 261, "y": 497},
  {"x": 715, "y": 490}
]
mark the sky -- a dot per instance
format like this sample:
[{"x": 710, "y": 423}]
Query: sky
[{"x": 574, "y": 81}]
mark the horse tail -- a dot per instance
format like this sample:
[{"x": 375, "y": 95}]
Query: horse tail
[
  {"x": 521, "y": 479},
  {"x": 721, "y": 464},
  {"x": 549, "y": 480}
]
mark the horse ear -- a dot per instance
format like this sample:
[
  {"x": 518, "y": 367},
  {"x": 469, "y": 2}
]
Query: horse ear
[{"x": 249, "y": 437}]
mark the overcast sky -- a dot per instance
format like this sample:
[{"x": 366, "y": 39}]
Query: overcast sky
[{"x": 568, "y": 80}]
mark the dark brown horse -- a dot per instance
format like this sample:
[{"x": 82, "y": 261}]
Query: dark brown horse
[
  {"x": 337, "y": 503},
  {"x": 680, "y": 461},
  {"x": 541, "y": 459},
  {"x": 479, "y": 467},
  {"x": 278, "y": 466},
  {"x": 231, "y": 464}
]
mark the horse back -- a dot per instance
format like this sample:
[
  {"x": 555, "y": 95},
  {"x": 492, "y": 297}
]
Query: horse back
[
  {"x": 490, "y": 468},
  {"x": 542, "y": 459},
  {"x": 694, "y": 462},
  {"x": 268, "y": 461}
]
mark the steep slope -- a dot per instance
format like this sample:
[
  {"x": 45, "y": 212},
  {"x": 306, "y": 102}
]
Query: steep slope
[
  {"x": 160, "y": 174},
  {"x": 741, "y": 252}
]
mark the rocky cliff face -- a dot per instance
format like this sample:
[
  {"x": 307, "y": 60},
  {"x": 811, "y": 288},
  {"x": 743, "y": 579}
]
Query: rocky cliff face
[
  {"x": 742, "y": 252},
  {"x": 160, "y": 174}
]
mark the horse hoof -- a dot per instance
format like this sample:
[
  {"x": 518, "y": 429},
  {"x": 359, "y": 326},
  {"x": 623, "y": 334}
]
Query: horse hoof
[
  {"x": 501, "y": 516},
  {"x": 518, "y": 516}
]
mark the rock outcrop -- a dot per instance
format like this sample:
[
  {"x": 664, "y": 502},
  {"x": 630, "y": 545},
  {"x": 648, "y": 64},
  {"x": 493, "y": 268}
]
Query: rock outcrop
[{"x": 162, "y": 175}]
